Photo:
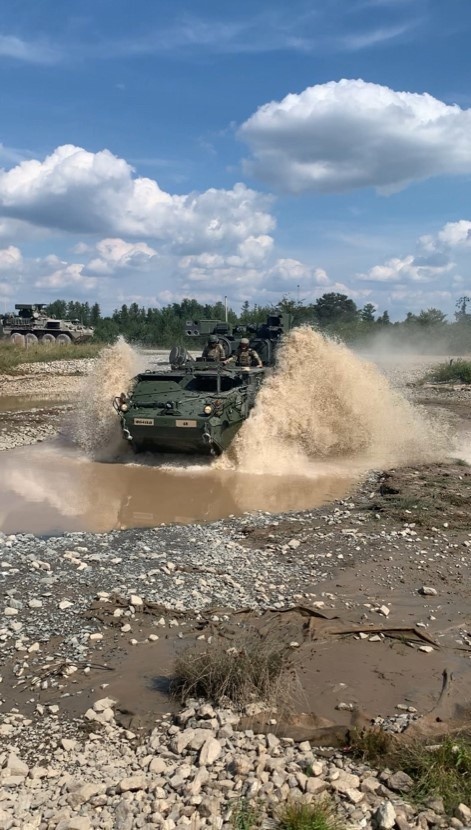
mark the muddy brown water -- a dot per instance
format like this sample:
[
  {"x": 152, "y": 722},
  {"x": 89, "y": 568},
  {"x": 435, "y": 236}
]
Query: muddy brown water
[
  {"x": 23, "y": 403},
  {"x": 49, "y": 488}
]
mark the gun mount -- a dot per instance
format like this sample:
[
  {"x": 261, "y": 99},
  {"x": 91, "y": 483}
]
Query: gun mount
[{"x": 264, "y": 338}]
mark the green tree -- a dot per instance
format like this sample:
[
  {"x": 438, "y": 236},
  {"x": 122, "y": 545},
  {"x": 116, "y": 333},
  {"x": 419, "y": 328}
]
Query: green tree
[
  {"x": 431, "y": 317},
  {"x": 334, "y": 308},
  {"x": 367, "y": 313}
]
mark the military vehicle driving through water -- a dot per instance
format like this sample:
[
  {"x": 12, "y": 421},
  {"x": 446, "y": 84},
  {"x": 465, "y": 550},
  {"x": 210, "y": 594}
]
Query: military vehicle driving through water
[
  {"x": 33, "y": 325},
  {"x": 199, "y": 405}
]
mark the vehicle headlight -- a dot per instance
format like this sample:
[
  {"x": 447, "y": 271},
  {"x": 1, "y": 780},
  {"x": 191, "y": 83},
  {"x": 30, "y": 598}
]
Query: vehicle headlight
[
  {"x": 124, "y": 407},
  {"x": 208, "y": 409}
]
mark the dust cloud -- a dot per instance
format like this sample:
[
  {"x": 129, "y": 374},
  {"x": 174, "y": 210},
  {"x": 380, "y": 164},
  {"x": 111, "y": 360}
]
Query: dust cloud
[
  {"x": 324, "y": 403},
  {"x": 95, "y": 427}
]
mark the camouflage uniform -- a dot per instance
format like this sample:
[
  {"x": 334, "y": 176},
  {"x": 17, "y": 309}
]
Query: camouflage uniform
[
  {"x": 214, "y": 351},
  {"x": 247, "y": 357}
]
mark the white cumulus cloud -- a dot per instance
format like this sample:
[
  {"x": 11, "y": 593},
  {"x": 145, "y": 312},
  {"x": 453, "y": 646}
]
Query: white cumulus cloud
[
  {"x": 77, "y": 191},
  {"x": 350, "y": 134},
  {"x": 11, "y": 258},
  {"x": 117, "y": 254}
]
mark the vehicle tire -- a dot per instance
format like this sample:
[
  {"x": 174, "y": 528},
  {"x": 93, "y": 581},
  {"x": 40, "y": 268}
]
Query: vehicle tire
[
  {"x": 226, "y": 345},
  {"x": 47, "y": 339},
  {"x": 63, "y": 340},
  {"x": 18, "y": 339},
  {"x": 31, "y": 339},
  {"x": 136, "y": 448}
]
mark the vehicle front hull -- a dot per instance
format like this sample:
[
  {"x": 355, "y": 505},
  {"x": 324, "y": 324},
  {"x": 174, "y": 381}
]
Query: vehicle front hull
[{"x": 203, "y": 439}]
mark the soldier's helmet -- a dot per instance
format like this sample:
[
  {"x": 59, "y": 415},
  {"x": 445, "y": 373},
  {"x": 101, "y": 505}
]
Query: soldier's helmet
[
  {"x": 244, "y": 341},
  {"x": 213, "y": 339}
]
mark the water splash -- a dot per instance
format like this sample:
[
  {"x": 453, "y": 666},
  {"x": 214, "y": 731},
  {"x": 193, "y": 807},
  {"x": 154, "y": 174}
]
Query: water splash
[
  {"x": 95, "y": 427},
  {"x": 323, "y": 402}
]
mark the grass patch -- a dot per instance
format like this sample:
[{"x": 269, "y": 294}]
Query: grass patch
[
  {"x": 443, "y": 770},
  {"x": 458, "y": 371},
  {"x": 249, "y": 670},
  {"x": 297, "y": 815},
  {"x": 246, "y": 815},
  {"x": 12, "y": 356}
]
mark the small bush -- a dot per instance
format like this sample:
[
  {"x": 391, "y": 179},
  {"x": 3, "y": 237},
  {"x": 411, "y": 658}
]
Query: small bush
[
  {"x": 249, "y": 670},
  {"x": 246, "y": 815},
  {"x": 297, "y": 815},
  {"x": 443, "y": 770},
  {"x": 372, "y": 745},
  {"x": 458, "y": 371}
]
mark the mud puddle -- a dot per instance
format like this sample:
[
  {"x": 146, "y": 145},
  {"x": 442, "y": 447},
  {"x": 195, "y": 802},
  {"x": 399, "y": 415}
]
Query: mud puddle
[
  {"x": 26, "y": 403},
  {"x": 49, "y": 489}
]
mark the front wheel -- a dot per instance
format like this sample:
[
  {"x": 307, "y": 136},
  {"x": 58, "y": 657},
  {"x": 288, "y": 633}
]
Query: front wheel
[
  {"x": 63, "y": 340},
  {"x": 48, "y": 339}
]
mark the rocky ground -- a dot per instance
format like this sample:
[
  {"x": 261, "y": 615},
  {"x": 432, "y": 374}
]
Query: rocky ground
[{"x": 368, "y": 597}]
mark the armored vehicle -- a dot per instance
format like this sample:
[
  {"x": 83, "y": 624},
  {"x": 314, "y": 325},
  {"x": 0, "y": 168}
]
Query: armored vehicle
[
  {"x": 32, "y": 325},
  {"x": 199, "y": 405}
]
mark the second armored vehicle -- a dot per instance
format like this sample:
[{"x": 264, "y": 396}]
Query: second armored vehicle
[
  {"x": 32, "y": 325},
  {"x": 199, "y": 405}
]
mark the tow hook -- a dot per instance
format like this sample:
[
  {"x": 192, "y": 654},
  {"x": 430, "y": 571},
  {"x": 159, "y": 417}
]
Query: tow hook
[{"x": 207, "y": 438}]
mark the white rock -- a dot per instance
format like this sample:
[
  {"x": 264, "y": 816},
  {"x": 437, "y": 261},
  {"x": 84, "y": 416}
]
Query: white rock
[
  {"x": 384, "y": 610},
  {"x": 463, "y": 812},
  {"x": 68, "y": 744},
  {"x": 133, "y": 783},
  {"x": 157, "y": 766},
  {"x": 294, "y": 544},
  {"x": 385, "y": 816},
  {"x": 83, "y": 793},
  {"x": 182, "y": 739},
  {"x": 64, "y": 604},
  {"x": 426, "y": 591},
  {"x": 35, "y": 603},
  {"x": 15, "y": 766},
  {"x": 426, "y": 649},
  {"x": 136, "y": 601},
  {"x": 10, "y": 612},
  {"x": 104, "y": 703},
  {"x": 209, "y": 752},
  {"x": 345, "y": 781}
]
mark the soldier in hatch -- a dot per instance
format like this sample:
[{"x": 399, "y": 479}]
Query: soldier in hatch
[
  {"x": 213, "y": 349},
  {"x": 245, "y": 356}
]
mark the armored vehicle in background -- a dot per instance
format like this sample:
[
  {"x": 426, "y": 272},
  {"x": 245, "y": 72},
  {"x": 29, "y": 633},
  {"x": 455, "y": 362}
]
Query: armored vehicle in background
[
  {"x": 199, "y": 405},
  {"x": 32, "y": 325}
]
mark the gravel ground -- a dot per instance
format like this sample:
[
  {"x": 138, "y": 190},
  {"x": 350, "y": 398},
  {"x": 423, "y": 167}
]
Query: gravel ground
[{"x": 77, "y": 607}]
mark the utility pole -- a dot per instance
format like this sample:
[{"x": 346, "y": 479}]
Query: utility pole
[
  {"x": 297, "y": 293},
  {"x": 225, "y": 306}
]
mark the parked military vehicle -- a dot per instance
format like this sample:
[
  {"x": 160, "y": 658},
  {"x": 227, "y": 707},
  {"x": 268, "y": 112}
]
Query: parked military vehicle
[
  {"x": 33, "y": 325},
  {"x": 199, "y": 405}
]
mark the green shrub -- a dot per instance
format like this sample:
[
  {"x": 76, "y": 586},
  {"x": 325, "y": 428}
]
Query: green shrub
[
  {"x": 443, "y": 770},
  {"x": 458, "y": 371},
  {"x": 246, "y": 815},
  {"x": 298, "y": 815}
]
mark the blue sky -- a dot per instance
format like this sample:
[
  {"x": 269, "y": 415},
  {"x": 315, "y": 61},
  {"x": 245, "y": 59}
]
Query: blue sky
[{"x": 156, "y": 150}]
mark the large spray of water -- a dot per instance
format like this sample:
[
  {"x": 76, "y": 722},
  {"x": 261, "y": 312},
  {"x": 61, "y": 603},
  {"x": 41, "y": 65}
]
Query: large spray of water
[
  {"x": 324, "y": 402},
  {"x": 95, "y": 427}
]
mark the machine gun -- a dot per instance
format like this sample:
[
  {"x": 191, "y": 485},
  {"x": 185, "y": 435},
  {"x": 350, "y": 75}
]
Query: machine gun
[{"x": 264, "y": 338}]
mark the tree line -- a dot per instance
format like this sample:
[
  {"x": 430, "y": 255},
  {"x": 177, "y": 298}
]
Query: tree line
[{"x": 333, "y": 313}]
